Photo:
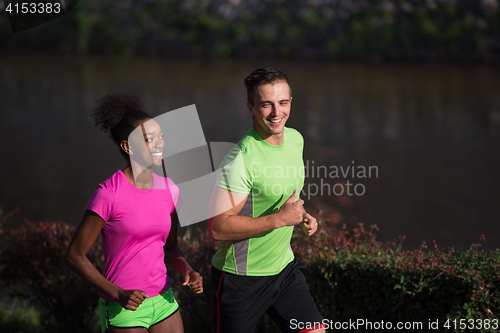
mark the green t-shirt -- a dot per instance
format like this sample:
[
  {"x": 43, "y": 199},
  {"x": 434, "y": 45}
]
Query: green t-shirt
[{"x": 269, "y": 175}]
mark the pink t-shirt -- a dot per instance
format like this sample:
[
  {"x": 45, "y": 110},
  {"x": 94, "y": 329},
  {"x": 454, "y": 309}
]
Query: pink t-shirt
[{"x": 137, "y": 224}]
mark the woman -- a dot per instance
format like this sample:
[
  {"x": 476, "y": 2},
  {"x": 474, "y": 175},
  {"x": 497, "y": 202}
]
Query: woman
[{"x": 134, "y": 210}]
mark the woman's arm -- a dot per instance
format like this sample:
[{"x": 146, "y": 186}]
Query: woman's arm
[
  {"x": 84, "y": 237},
  {"x": 175, "y": 259}
]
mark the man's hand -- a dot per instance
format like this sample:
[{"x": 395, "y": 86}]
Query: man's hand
[
  {"x": 131, "y": 299},
  {"x": 309, "y": 224},
  {"x": 194, "y": 280},
  {"x": 291, "y": 213}
]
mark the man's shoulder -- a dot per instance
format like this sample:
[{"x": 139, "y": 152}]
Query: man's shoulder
[
  {"x": 293, "y": 137},
  {"x": 292, "y": 132},
  {"x": 248, "y": 139}
]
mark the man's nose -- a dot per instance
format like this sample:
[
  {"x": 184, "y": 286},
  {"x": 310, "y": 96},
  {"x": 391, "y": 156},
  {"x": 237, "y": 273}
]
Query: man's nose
[{"x": 276, "y": 110}]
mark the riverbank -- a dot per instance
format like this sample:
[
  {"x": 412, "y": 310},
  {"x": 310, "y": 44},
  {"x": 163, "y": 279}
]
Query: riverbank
[{"x": 361, "y": 30}]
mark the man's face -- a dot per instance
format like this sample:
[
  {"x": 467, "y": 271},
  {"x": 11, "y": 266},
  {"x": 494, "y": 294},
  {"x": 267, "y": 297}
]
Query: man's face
[{"x": 271, "y": 109}]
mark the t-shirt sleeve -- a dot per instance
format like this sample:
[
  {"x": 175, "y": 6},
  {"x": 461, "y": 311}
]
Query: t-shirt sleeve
[
  {"x": 101, "y": 202},
  {"x": 234, "y": 173},
  {"x": 176, "y": 194}
]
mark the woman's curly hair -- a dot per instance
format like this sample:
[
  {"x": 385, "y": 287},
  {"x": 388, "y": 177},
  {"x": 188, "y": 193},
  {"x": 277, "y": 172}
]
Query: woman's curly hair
[{"x": 119, "y": 113}]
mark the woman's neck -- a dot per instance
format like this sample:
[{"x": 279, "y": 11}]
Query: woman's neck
[{"x": 139, "y": 176}]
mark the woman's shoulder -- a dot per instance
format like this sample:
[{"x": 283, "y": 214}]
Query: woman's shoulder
[
  {"x": 113, "y": 182},
  {"x": 173, "y": 189},
  {"x": 103, "y": 200},
  {"x": 160, "y": 181}
]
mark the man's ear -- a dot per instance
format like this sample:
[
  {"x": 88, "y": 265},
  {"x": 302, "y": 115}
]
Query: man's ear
[
  {"x": 250, "y": 108},
  {"x": 126, "y": 147}
]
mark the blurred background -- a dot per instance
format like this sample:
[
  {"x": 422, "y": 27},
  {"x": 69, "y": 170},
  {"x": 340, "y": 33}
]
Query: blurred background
[{"x": 411, "y": 87}]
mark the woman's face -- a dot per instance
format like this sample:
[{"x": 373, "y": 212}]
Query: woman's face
[{"x": 146, "y": 143}]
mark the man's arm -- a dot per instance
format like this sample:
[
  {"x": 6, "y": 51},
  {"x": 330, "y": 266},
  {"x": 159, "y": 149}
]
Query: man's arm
[
  {"x": 310, "y": 224},
  {"x": 228, "y": 225}
]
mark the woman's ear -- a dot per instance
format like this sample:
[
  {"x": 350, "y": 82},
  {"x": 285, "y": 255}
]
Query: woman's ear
[{"x": 126, "y": 147}]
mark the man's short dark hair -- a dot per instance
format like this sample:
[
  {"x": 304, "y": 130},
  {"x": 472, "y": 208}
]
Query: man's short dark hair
[{"x": 262, "y": 76}]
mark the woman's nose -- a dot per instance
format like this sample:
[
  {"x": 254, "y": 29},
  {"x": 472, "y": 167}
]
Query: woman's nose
[{"x": 159, "y": 143}]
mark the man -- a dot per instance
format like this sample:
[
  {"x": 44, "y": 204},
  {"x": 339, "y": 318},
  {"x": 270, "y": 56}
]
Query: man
[{"x": 256, "y": 204}]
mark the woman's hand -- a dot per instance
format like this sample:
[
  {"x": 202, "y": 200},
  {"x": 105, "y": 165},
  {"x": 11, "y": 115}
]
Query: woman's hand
[
  {"x": 131, "y": 299},
  {"x": 194, "y": 280}
]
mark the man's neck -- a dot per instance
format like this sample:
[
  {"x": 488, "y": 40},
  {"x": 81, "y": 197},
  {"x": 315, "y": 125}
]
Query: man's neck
[{"x": 275, "y": 140}]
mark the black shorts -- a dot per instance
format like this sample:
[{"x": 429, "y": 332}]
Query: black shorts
[{"x": 240, "y": 301}]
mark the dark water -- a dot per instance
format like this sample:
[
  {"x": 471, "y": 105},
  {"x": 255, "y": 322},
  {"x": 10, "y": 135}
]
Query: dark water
[{"x": 432, "y": 133}]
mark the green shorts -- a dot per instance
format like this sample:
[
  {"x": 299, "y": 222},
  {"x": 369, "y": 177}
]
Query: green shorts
[{"x": 152, "y": 311}]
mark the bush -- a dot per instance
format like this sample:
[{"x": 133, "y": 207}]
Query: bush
[
  {"x": 357, "y": 277},
  {"x": 196, "y": 310},
  {"x": 351, "y": 275},
  {"x": 33, "y": 268},
  {"x": 18, "y": 317},
  {"x": 356, "y": 29}
]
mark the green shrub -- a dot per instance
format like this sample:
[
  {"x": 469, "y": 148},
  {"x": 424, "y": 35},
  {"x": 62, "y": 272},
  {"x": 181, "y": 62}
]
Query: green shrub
[
  {"x": 357, "y": 277},
  {"x": 196, "y": 310},
  {"x": 19, "y": 318},
  {"x": 359, "y": 29},
  {"x": 351, "y": 275},
  {"x": 33, "y": 268}
]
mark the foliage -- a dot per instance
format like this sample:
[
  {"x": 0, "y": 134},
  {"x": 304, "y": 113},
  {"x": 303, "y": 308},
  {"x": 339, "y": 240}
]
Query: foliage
[
  {"x": 18, "y": 317},
  {"x": 358, "y": 29},
  {"x": 196, "y": 310},
  {"x": 350, "y": 274},
  {"x": 358, "y": 277},
  {"x": 33, "y": 268}
]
